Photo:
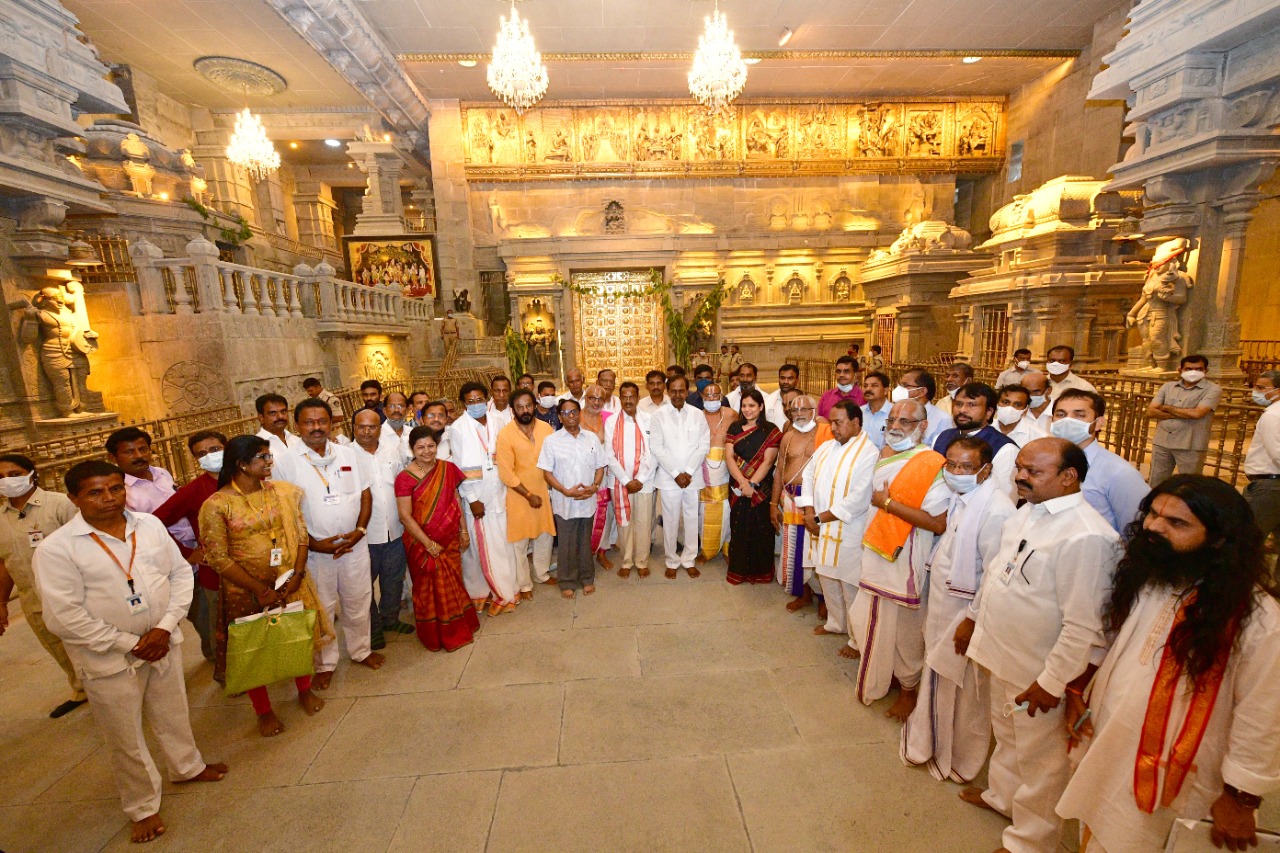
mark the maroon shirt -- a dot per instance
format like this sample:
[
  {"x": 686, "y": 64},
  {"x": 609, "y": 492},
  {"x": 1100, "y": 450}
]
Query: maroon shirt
[
  {"x": 829, "y": 400},
  {"x": 186, "y": 503}
]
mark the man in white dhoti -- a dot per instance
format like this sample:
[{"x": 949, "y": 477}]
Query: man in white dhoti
[
  {"x": 1039, "y": 622},
  {"x": 713, "y": 499},
  {"x": 114, "y": 587},
  {"x": 795, "y": 561},
  {"x": 627, "y": 444},
  {"x": 908, "y": 511},
  {"x": 489, "y": 569},
  {"x": 950, "y": 729},
  {"x": 835, "y": 493},
  {"x": 680, "y": 441},
  {"x": 1186, "y": 706}
]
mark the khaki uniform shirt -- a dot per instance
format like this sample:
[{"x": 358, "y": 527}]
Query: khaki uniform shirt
[
  {"x": 1182, "y": 433},
  {"x": 21, "y": 532}
]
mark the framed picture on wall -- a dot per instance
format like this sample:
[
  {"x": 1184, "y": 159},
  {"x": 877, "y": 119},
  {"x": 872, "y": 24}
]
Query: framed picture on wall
[{"x": 407, "y": 262}]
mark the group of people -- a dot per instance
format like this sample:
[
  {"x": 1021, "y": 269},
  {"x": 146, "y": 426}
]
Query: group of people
[{"x": 984, "y": 555}]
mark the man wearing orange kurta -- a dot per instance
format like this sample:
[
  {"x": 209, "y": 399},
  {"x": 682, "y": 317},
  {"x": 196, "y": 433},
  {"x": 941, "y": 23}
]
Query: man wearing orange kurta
[{"x": 529, "y": 519}]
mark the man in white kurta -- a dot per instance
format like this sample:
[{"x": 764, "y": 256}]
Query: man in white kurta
[
  {"x": 1039, "y": 622},
  {"x": 834, "y": 496},
  {"x": 628, "y": 445},
  {"x": 950, "y": 729},
  {"x": 680, "y": 442},
  {"x": 1142, "y": 698},
  {"x": 887, "y": 617},
  {"x": 114, "y": 587},
  {"x": 489, "y": 569}
]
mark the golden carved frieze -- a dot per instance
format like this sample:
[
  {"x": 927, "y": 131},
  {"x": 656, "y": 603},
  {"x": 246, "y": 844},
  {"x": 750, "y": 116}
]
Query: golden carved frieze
[{"x": 784, "y": 137}]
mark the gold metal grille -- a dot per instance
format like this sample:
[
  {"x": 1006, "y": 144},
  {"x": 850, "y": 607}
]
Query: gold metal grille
[
  {"x": 622, "y": 332},
  {"x": 886, "y": 331},
  {"x": 995, "y": 336}
]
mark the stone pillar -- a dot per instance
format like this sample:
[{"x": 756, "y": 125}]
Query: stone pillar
[
  {"x": 455, "y": 242},
  {"x": 313, "y": 205},
  {"x": 382, "y": 211},
  {"x": 229, "y": 186}
]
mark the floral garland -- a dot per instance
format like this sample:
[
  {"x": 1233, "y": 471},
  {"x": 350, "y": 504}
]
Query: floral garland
[{"x": 656, "y": 286}]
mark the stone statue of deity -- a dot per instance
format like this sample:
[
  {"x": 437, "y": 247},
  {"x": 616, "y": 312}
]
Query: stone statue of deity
[
  {"x": 1157, "y": 313},
  {"x": 55, "y": 315}
]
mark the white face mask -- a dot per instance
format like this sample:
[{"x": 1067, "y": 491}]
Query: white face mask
[
  {"x": 1023, "y": 365},
  {"x": 16, "y": 487},
  {"x": 905, "y": 443},
  {"x": 1008, "y": 415},
  {"x": 1057, "y": 368},
  {"x": 548, "y": 402},
  {"x": 900, "y": 393},
  {"x": 1191, "y": 377},
  {"x": 211, "y": 461},
  {"x": 844, "y": 389},
  {"x": 711, "y": 405},
  {"x": 1037, "y": 400},
  {"x": 804, "y": 427},
  {"x": 961, "y": 483},
  {"x": 1074, "y": 431}
]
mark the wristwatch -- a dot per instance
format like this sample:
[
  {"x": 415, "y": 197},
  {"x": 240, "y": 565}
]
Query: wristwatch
[
  {"x": 1243, "y": 798},
  {"x": 361, "y": 531}
]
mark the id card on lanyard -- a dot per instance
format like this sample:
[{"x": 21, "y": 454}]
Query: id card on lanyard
[{"x": 133, "y": 599}]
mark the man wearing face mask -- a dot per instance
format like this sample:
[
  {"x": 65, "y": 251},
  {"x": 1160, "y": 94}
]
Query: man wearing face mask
[
  {"x": 795, "y": 562},
  {"x": 958, "y": 374},
  {"x": 950, "y": 728},
  {"x": 27, "y": 515},
  {"x": 1115, "y": 488},
  {"x": 185, "y": 503},
  {"x": 703, "y": 375},
  {"x": 920, "y": 386},
  {"x": 1039, "y": 408},
  {"x": 1021, "y": 365},
  {"x": 1262, "y": 462},
  {"x": 1012, "y": 418},
  {"x": 545, "y": 404},
  {"x": 909, "y": 510},
  {"x": 746, "y": 381},
  {"x": 1058, "y": 366},
  {"x": 846, "y": 386},
  {"x": 1183, "y": 411},
  {"x": 713, "y": 497},
  {"x": 973, "y": 407},
  {"x": 1038, "y": 628}
]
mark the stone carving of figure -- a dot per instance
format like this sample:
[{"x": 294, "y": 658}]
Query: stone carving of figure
[
  {"x": 1157, "y": 313},
  {"x": 66, "y": 341},
  {"x": 842, "y": 289},
  {"x": 795, "y": 290},
  {"x": 747, "y": 292},
  {"x": 462, "y": 302},
  {"x": 615, "y": 221},
  {"x": 449, "y": 334}
]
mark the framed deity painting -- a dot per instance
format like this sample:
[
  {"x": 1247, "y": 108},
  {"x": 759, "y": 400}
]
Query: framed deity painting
[{"x": 407, "y": 262}]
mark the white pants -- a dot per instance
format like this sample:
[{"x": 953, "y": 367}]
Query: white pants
[
  {"x": 489, "y": 566},
  {"x": 1028, "y": 772},
  {"x": 680, "y": 508},
  {"x": 635, "y": 539},
  {"x": 950, "y": 729},
  {"x": 891, "y": 638},
  {"x": 541, "y": 561},
  {"x": 344, "y": 582},
  {"x": 119, "y": 702},
  {"x": 839, "y": 596}
]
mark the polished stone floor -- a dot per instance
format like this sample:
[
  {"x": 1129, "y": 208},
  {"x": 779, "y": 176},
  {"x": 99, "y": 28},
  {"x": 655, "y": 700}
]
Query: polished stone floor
[{"x": 654, "y": 715}]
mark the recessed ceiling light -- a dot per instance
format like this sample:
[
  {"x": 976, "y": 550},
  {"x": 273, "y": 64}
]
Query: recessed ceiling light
[
  {"x": 969, "y": 60},
  {"x": 332, "y": 143},
  {"x": 467, "y": 63},
  {"x": 752, "y": 60},
  {"x": 293, "y": 145},
  {"x": 785, "y": 37}
]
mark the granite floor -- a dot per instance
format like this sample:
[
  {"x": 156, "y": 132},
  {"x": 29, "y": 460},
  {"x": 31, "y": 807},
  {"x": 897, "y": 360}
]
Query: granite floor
[{"x": 654, "y": 715}]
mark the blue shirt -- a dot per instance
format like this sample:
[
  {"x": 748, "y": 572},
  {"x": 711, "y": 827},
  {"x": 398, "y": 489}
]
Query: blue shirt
[
  {"x": 1113, "y": 486},
  {"x": 873, "y": 423},
  {"x": 552, "y": 417}
]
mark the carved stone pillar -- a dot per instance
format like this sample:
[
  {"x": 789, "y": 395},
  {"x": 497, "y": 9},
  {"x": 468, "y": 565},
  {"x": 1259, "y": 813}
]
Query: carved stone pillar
[
  {"x": 313, "y": 205},
  {"x": 382, "y": 210},
  {"x": 229, "y": 186}
]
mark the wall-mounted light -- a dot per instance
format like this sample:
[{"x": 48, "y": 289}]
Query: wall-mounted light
[
  {"x": 293, "y": 145},
  {"x": 969, "y": 60},
  {"x": 785, "y": 37},
  {"x": 467, "y": 63}
]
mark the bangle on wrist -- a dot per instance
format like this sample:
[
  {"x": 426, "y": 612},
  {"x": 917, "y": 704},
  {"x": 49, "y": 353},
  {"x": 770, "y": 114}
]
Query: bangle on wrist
[
  {"x": 887, "y": 501},
  {"x": 1075, "y": 692}
]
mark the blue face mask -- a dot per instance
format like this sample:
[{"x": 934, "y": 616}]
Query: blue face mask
[
  {"x": 701, "y": 384},
  {"x": 477, "y": 410}
]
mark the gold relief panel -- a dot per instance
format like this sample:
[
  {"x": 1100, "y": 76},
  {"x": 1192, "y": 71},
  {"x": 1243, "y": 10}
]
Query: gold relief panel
[
  {"x": 676, "y": 139},
  {"x": 617, "y": 330}
]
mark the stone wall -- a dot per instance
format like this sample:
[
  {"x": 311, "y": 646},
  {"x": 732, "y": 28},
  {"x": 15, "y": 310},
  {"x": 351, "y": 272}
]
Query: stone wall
[{"x": 1259, "y": 282}]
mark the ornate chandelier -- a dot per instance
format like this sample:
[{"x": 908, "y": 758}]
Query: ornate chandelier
[
  {"x": 516, "y": 73},
  {"x": 719, "y": 74},
  {"x": 250, "y": 148}
]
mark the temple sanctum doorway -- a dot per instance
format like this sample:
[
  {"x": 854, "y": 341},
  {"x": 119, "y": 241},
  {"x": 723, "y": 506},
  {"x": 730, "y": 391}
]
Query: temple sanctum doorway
[{"x": 615, "y": 328}]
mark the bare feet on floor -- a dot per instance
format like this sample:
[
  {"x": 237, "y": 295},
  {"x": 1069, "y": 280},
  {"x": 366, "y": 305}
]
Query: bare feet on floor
[
  {"x": 693, "y": 572},
  {"x": 310, "y": 702},
  {"x": 147, "y": 829},
  {"x": 799, "y": 603},
  {"x": 269, "y": 724},
  {"x": 643, "y": 572},
  {"x": 973, "y": 796},
  {"x": 848, "y": 651},
  {"x": 373, "y": 661},
  {"x": 566, "y": 593},
  {"x": 526, "y": 595},
  {"x": 670, "y": 574},
  {"x": 210, "y": 773},
  {"x": 322, "y": 680},
  {"x": 699, "y": 560},
  {"x": 821, "y": 630},
  {"x": 604, "y": 561},
  {"x": 822, "y": 611},
  {"x": 902, "y": 708}
]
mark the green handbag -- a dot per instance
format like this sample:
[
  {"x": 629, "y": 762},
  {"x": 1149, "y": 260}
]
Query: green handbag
[{"x": 270, "y": 648}]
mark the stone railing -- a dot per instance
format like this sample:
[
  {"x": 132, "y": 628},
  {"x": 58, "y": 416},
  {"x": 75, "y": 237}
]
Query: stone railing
[{"x": 202, "y": 284}]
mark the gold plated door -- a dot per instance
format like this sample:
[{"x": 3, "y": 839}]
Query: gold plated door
[{"x": 615, "y": 329}]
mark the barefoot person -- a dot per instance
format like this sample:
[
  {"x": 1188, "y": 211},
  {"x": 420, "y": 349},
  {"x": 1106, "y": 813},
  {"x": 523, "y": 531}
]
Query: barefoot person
[
  {"x": 336, "y": 504},
  {"x": 252, "y": 532},
  {"x": 593, "y": 420},
  {"x": 530, "y": 524},
  {"x": 795, "y": 563},
  {"x": 950, "y": 729},
  {"x": 118, "y": 619},
  {"x": 835, "y": 493},
  {"x": 573, "y": 463},
  {"x": 713, "y": 497},
  {"x": 1039, "y": 621},
  {"x": 632, "y": 464},
  {"x": 909, "y": 509},
  {"x": 680, "y": 441}
]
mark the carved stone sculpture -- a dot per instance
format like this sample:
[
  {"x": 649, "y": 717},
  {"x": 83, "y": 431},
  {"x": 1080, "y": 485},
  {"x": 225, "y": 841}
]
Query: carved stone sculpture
[
  {"x": 462, "y": 302},
  {"x": 66, "y": 342},
  {"x": 1157, "y": 313}
]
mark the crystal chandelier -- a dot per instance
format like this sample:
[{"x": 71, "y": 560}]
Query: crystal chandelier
[
  {"x": 719, "y": 75},
  {"x": 516, "y": 73},
  {"x": 250, "y": 148}
]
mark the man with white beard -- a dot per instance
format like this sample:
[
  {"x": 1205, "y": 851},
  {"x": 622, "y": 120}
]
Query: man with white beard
[
  {"x": 950, "y": 729},
  {"x": 795, "y": 562}
]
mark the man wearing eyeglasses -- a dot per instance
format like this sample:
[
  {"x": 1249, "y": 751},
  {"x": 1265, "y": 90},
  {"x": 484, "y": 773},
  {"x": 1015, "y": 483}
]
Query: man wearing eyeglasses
[
  {"x": 795, "y": 562},
  {"x": 919, "y": 385},
  {"x": 1038, "y": 627}
]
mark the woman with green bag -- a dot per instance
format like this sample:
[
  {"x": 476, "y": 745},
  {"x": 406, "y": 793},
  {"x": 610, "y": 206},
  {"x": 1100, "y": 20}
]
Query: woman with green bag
[{"x": 252, "y": 532}]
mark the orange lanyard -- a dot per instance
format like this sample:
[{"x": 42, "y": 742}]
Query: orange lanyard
[{"x": 133, "y": 552}]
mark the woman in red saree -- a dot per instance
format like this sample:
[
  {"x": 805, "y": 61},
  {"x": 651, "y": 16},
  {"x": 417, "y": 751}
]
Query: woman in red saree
[
  {"x": 603, "y": 529},
  {"x": 434, "y": 538},
  {"x": 750, "y": 450}
]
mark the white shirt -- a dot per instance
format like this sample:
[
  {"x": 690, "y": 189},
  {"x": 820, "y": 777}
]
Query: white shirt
[
  {"x": 649, "y": 407},
  {"x": 379, "y": 470},
  {"x": 773, "y": 411},
  {"x": 1040, "y": 606},
  {"x": 999, "y": 510},
  {"x": 388, "y": 438},
  {"x": 1263, "y": 456},
  {"x": 330, "y": 491},
  {"x": 1069, "y": 380},
  {"x": 279, "y": 448},
  {"x": 622, "y": 468},
  {"x": 939, "y": 422},
  {"x": 85, "y": 593},
  {"x": 573, "y": 461},
  {"x": 681, "y": 441},
  {"x": 1027, "y": 429},
  {"x": 581, "y": 401},
  {"x": 142, "y": 495},
  {"x": 473, "y": 445},
  {"x": 613, "y": 405},
  {"x": 1011, "y": 376},
  {"x": 837, "y": 479},
  {"x": 500, "y": 417}
]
